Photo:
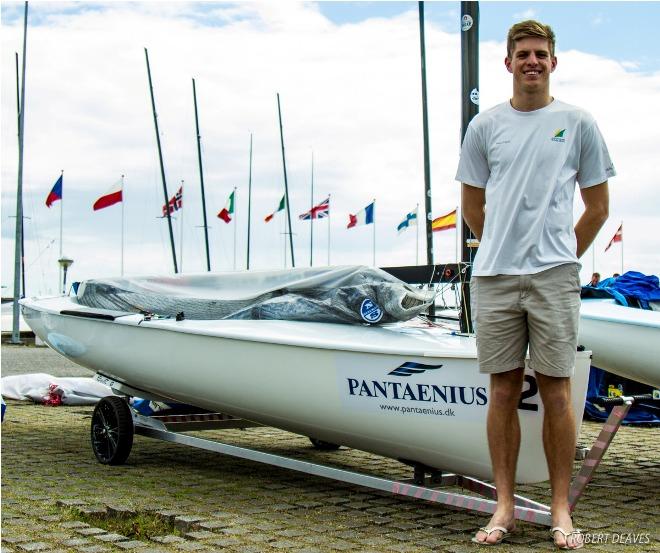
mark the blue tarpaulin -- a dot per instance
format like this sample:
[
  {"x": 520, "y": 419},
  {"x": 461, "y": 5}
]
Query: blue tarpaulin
[
  {"x": 626, "y": 288},
  {"x": 602, "y": 383}
]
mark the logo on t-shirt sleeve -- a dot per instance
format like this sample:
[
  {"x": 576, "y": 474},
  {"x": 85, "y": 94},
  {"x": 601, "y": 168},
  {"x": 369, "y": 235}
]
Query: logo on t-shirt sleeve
[{"x": 559, "y": 136}]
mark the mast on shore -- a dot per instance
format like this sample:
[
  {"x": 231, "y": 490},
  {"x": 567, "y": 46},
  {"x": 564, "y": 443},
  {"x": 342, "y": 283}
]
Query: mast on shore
[
  {"x": 162, "y": 167},
  {"x": 18, "y": 244},
  {"x": 201, "y": 180},
  {"x": 469, "y": 108}
]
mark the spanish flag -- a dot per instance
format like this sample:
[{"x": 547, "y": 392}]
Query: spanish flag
[{"x": 445, "y": 222}]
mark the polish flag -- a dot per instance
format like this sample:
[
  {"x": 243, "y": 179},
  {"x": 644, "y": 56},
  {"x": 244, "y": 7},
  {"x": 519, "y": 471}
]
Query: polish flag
[{"x": 111, "y": 197}]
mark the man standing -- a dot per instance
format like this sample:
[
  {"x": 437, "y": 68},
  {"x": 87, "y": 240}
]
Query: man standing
[{"x": 519, "y": 164}]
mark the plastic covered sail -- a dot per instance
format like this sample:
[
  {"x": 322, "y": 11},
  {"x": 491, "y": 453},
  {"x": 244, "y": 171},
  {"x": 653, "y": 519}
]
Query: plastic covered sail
[{"x": 347, "y": 294}]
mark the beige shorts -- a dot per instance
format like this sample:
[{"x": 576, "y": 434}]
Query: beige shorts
[{"x": 512, "y": 312}]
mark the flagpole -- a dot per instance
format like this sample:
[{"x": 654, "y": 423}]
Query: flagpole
[
  {"x": 311, "y": 221},
  {"x": 374, "y": 223},
  {"x": 61, "y": 219},
  {"x": 15, "y": 335},
  {"x": 181, "y": 230},
  {"x": 456, "y": 236},
  {"x": 328, "y": 230},
  {"x": 249, "y": 206},
  {"x": 593, "y": 257},
  {"x": 235, "y": 224},
  {"x": 417, "y": 236},
  {"x": 621, "y": 247},
  {"x": 123, "y": 199}
]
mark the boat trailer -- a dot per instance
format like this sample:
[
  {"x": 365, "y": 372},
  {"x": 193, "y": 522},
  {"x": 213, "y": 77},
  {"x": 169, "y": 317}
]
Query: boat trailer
[{"x": 114, "y": 424}]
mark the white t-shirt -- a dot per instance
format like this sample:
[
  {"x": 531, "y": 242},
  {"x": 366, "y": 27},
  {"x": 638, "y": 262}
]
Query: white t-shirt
[{"x": 529, "y": 162}]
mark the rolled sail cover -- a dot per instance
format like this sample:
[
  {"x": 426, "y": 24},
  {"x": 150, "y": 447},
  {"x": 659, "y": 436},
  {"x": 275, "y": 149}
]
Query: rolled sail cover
[{"x": 345, "y": 294}]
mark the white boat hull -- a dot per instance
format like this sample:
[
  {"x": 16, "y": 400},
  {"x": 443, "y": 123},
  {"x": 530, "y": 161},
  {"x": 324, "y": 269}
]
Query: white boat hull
[
  {"x": 327, "y": 381},
  {"x": 624, "y": 340}
]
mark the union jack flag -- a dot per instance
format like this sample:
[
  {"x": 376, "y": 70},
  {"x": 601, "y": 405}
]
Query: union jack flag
[
  {"x": 618, "y": 237},
  {"x": 175, "y": 203},
  {"x": 318, "y": 211}
]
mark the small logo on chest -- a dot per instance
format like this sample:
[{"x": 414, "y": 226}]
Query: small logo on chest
[{"x": 559, "y": 136}]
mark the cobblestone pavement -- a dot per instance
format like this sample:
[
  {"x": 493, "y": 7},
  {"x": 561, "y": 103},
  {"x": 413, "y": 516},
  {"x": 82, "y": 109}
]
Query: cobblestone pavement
[{"x": 217, "y": 503}]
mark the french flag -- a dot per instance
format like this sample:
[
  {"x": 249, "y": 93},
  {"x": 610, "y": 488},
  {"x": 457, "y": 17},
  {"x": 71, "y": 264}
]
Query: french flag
[
  {"x": 111, "y": 197},
  {"x": 363, "y": 217},
  {"x": 55, "y": 193}
]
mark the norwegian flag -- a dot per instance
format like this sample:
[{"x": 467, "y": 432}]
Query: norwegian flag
[
  {"x": 318, "y": 211},
  {"x": 175, "y": 203},
  {"x": 618, "y": 237}
]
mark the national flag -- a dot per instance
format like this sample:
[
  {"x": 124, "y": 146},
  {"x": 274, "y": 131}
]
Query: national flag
[
  {"x": 280, "y": 207},
  {"x": 228, "y": 210},
  {"x": 318, "y": 211},
  {"x": 55, "y": 193},
  {"x": 111, "y": 197},
  {"x": 445, "y": 222},
  {"x": 363, "y": 217},
  {"x": 175, "y": 203},
  {"x": 618, "y": 237},
  {"x": 411, "y": 219}
]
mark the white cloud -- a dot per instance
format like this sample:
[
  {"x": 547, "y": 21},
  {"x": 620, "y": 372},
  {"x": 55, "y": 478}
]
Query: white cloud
[
  {"x": 349, "y": 93},
  {"x": 529, "y": 13}
]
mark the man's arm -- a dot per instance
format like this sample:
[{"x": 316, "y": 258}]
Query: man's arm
[
  {"x": 473, "y": 202},
  {"x": 596, "y": 210}
]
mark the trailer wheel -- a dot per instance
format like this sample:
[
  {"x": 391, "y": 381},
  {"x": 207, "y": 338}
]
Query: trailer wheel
[
  {"x": 324, "y": 446},
  {"x": 112, "y": 431}
]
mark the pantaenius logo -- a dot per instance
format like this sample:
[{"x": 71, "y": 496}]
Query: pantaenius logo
[
  {"x": 413, "y": 390},
  {"x": 559, "y": 136},
  {"x": 370, "y": 312},
  {"x": 409, "y": 368}
]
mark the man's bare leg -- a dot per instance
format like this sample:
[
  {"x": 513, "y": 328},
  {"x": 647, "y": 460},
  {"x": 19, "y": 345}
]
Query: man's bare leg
[
  {"x": 559, "y": 444},
  {"x": 503, "y": 429}
]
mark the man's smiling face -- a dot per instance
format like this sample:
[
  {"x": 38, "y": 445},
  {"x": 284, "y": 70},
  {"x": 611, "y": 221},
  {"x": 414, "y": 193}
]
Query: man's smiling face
[{"x": 531, "y": 64}]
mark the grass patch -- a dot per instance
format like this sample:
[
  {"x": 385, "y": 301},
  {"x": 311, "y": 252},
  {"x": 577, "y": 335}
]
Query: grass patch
[{"x": 138, "y": 526}]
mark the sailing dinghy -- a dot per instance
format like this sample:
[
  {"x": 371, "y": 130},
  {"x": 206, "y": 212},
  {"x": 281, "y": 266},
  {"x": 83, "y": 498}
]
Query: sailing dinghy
[
  {"x": 624, "y": 340},
  {"x": 406, "y": 390}
]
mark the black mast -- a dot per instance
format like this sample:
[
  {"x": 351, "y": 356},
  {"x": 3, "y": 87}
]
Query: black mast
[
  {"x": 469, "y": 108},
  {"x": 201, "y": 180},
  {"x": 427, "y": 165},
  {"x": 286, "y": 184},
  {"x": 162, "y": 167},
  {"x": 249, "y": 205}
]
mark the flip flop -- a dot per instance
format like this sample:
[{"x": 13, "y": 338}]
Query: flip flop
[
  {"x": 578, "y": 538},
  {"x": 488, "y": 532}
]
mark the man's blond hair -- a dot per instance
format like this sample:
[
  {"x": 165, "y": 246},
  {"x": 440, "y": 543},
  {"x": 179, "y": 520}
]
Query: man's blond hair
[{"x": 526, "y": 29}]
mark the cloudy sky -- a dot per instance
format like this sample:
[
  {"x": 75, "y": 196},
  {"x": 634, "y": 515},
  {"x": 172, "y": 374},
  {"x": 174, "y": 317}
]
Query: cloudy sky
[{"x": 349, "y": 82}]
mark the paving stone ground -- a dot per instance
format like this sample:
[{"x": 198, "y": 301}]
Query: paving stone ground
[{"x": 218, "y": 503}]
